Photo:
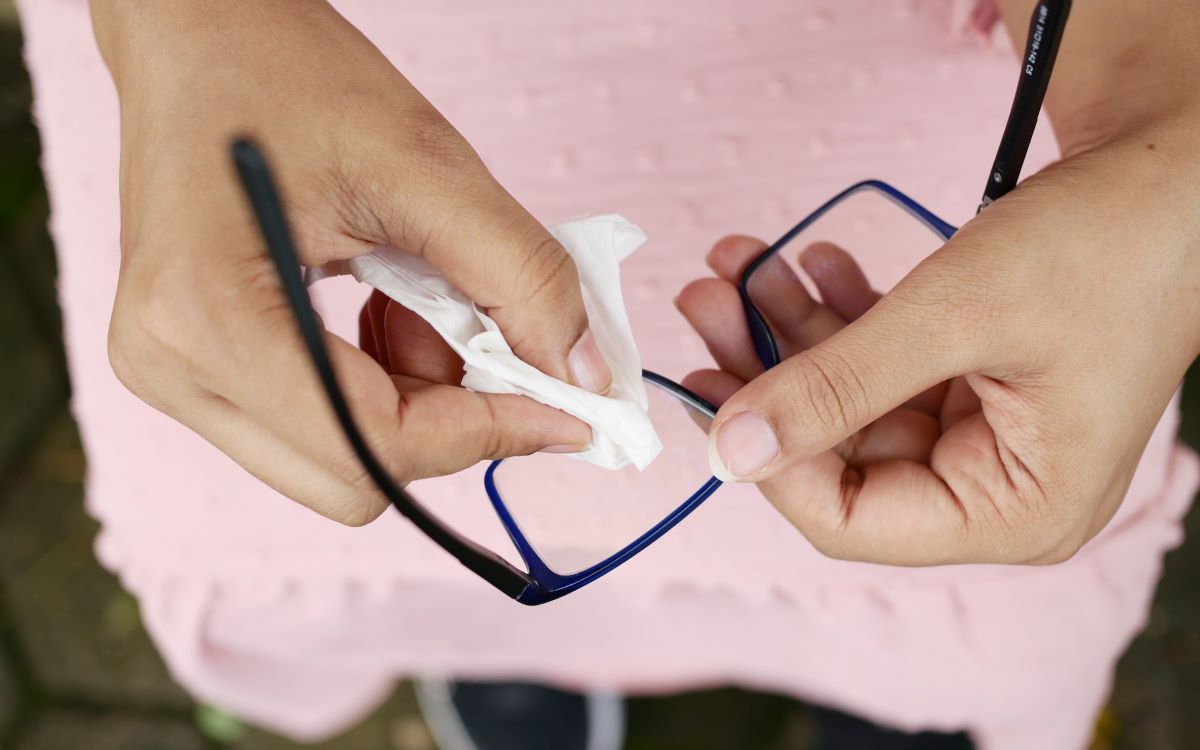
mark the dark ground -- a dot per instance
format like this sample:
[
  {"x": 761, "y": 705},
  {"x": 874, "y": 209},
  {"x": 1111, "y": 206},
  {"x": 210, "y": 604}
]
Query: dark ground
[{"x": 77, "y": 670}]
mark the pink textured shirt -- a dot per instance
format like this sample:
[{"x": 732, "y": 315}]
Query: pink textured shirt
[{"x": 693, "y": 120}]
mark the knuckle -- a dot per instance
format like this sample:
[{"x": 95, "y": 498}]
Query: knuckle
[
  {"x": 346, "y": 466},
  {"x": 851, "y": 448},
  {"x": 438, "y": 157},
  {"x": 1058, "y": 534},
  {"x": 362, "y": 501},
  {"x": 175, "y": 326},
  {"x": 546, "y": 272},
  {"x": 829, "y": 529},
  {"x": 479, "y": 419},
  {"x": 828, "y": 547},
  {"x": 543, "y": 279},
  {"x": 425, "y": 162},
  {"x": 122, "y": 357},
  {"x": 397, "y": 452},
  {"x": 1049, "y": 525},
  {"x": 834, "y": 392},
  {"x": 1047, "y": 534},
  {"x": 356, "y": 196},
  {"x": 471, "y": 419},
  {"x": 1014, "y": 514},
  {"x": 144, "y": 346},
  {"x": 494, "y": 442},
  {"x": 258, "y": 288},
  {"x": 359, "y": 507},
  {"x": 433, "y": 137},
  {"x": 482, "y": 430},
  {"x": 387, "y": 431},
  {"x": 1061, "y": 553},
  {"x": 1053, "y": 543}
]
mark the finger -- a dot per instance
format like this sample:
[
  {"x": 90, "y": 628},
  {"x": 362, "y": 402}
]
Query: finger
[
  {"x": 843, "y": 286},
  {"x": 900, "y": 435},
  {"x": 845, "y": 289},
  {"x": 960, "y": 509},
  {"x": 777, "y": 293},
  {"x": 445, "y": 429},
  {"x": 815, "y": 400},
  {"x": 279, "y": 464},
  {"x": 420, "y": 430},
  {"x": 370, "y": 327},
  {"x": 892, "y": 513},
  {"x": 452, "y": 211},
  {"x": 350, "y": 497},
  {"x": 730, "y": 255},
  {"x": 929, "y": 401},
  {"x": 450, "y": 428},
  {"x": 415, "y": 349},
  {"x": 960, "y": 402},
  {"x": 714, "y": 386},
  {"x": 714, "y": 309},
  {"x": 366, "y": 334},
  {"x": 903, "y": 434}
]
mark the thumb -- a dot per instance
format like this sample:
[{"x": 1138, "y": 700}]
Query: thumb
[{"x": 811, "y": 402}]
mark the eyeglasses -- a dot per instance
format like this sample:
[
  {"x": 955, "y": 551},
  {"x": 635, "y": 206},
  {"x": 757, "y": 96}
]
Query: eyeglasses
[{"x": 540, "y": 582}]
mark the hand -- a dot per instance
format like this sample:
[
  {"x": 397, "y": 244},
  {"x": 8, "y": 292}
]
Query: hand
[
  {"x": 200, "y": 329},
  {"x": 993, "y": 406}
]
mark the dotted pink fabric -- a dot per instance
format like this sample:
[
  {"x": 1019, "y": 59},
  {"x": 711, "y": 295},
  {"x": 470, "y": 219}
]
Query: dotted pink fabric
[{"x": 693, "y": 120}]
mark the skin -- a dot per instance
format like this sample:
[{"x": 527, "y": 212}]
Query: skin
[
  {"x": 200, "y": 329},
  {"x": 992, "y": 407}
]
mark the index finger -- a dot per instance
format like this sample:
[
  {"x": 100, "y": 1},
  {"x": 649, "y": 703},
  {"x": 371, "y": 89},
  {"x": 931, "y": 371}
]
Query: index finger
[{"x": 447, "y": 207}]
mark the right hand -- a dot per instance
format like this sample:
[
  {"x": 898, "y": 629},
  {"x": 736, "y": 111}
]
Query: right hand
[{"x": 200, "y": 329}]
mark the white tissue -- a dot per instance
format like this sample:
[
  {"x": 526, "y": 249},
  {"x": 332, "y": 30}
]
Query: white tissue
[{"x": 621, "y": 429}]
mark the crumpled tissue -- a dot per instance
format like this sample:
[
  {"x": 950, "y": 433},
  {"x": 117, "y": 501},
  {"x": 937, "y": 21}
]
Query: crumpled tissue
[{"x": 622, "y": 432}]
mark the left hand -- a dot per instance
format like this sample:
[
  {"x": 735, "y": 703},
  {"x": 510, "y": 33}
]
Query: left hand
[{"x": 993, "y": 406}]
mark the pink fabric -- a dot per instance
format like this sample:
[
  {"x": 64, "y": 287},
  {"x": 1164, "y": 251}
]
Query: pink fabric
[{"x": 692, "y": 121}]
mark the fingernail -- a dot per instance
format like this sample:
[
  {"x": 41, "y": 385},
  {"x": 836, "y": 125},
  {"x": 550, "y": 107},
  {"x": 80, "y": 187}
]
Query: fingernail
[
  {"x": 745, "y": 445},
  {"x": 587, "y": 366},
  {"x": 563, "y": 449}
]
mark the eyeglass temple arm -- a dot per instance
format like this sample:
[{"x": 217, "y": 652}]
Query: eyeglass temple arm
[
  {"x": 255, "y": 176},
  {"x": 1046, "y": 28}
]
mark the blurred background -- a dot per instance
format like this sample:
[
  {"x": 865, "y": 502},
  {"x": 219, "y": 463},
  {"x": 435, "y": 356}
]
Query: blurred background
[{"x": 76, "y": 667}]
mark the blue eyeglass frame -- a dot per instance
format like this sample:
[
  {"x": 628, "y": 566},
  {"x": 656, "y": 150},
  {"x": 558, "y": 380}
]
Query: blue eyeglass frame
[
  {"x": 541, "y": 584},
  {"x": 548, "y": 584}
]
